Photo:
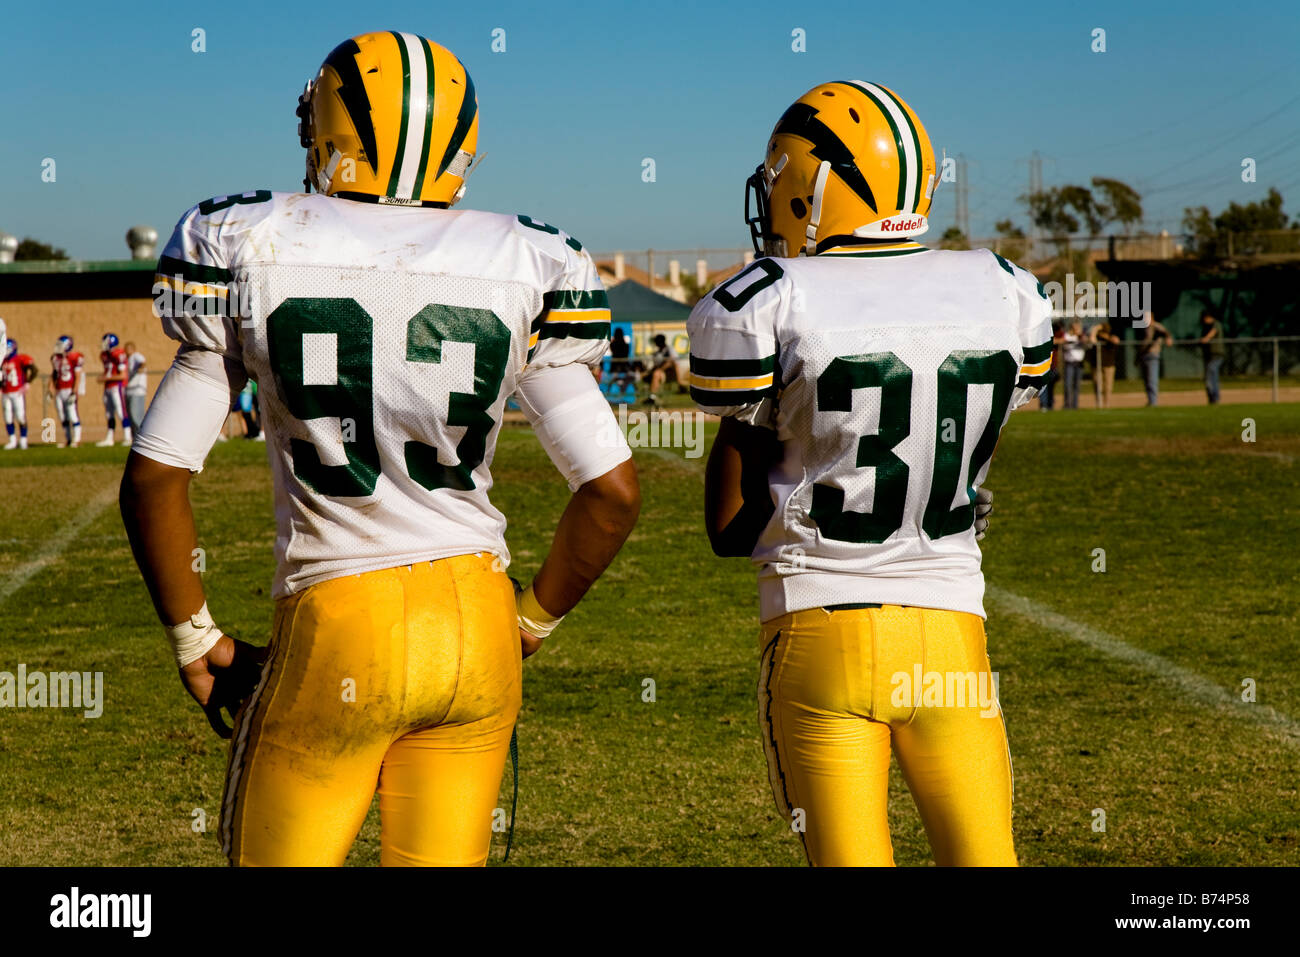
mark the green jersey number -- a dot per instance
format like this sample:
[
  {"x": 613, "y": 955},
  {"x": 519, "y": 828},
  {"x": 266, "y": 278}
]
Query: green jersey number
[
  {"x": 425, "y": 335},
  {"x": 218, "y": 203},
  {"x": 835, "y": 394},
  {"x": 350, "y": 397},
  {"x": 835, "y": 387}
]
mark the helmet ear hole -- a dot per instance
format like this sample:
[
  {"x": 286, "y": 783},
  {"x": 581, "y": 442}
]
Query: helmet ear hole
[{"x": 799, "y": 208}]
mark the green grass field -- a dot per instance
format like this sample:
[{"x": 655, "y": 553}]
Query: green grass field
[{"x": 1121, "y": 689}]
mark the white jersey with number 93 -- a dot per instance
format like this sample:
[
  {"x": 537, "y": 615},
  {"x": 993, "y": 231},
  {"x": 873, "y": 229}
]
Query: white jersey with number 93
[{"x": 385, "y": 342}]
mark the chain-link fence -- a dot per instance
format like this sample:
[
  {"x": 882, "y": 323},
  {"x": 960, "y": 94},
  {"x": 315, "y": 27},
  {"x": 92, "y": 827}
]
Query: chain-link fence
[
  {"x": 680, "y": 274},
  {"x": 1184, "y": 372}
]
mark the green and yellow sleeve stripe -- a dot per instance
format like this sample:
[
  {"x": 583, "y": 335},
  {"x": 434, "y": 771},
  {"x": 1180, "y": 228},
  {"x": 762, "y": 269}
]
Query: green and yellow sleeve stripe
[
  {"x": 730, "y": 382},
  {"x": 571, "y": 314},
  {"x": 1035, "y": 366},
  {"x": 204, "y": 288}
]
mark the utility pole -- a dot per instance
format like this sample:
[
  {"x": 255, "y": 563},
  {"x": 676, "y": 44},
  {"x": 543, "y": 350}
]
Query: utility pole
[
  {"x": 1035, "y": 186},
  {"x": 963, "y": 212}
]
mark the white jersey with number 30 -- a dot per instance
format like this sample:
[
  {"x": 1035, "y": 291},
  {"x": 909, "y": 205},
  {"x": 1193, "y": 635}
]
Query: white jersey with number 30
[
  {"x": 888, "y": 376},
  {"x": 385, "y": 342}
]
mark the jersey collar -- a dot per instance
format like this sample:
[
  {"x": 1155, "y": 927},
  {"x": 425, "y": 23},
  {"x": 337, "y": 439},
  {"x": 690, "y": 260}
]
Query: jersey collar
[{"x": 874, "y": 251}]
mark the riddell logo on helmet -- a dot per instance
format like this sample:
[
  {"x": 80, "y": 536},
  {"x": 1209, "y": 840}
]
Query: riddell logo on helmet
[{"x": 898, "y": 225}]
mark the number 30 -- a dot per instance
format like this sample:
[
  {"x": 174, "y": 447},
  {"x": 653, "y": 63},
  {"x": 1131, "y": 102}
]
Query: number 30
[{"x": 885, "y": 370}]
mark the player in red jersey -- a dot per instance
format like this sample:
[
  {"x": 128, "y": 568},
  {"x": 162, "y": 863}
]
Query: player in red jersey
[
  {"x": 16, "y": 371},
  {"x": 114, "y": 358},
  {"x": 68, "y": 380}
]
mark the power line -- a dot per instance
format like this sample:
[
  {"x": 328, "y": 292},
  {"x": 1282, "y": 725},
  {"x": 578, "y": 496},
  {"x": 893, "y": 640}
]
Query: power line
[
  {"x": 1228, "y": 140},
  {"x": 1199, "y": 113}
]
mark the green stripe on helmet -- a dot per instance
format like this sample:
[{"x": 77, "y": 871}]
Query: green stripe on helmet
[
  {"x": 898, "y": 141},
  {"x": 428, "y": 119},
  {"x": 406, "y": 109},
  {"x": 916, "y": 139}
]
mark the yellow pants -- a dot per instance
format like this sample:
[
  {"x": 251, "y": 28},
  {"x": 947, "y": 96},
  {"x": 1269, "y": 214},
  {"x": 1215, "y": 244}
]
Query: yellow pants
[
  {"x": 405, "y": 680},
  {"x": 837, "y": 688}
]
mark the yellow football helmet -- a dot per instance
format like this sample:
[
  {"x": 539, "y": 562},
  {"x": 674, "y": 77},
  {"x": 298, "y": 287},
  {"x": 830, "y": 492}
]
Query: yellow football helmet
[
  {"x": 848, "y": 163},
  {"x": 390, "y": 118}
]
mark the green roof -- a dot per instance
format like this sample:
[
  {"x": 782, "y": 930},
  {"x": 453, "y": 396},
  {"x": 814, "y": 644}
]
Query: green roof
[
  {"x": 629, "y": 301},
  {"x": 78, "y": 265}
]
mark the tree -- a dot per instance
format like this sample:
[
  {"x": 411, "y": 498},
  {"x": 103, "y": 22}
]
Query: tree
[
  {"x": 1120, "y": 202},
  {"x": 694, "y": 291},
  {"x": 1237, "y": 229},
  {"x": 32, "y": 249},
  {"x": 954, "y": 238},
  {"x": 1049, "y": 211},
  {"x": 1011, "y": 243},
  {"x": 1059, "y": 210}
]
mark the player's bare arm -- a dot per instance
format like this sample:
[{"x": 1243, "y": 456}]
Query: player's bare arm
[
  {"x": 595, "y": 523},
  {"x": 737, "y": 501},
  {"x": 155, "y": 505}
]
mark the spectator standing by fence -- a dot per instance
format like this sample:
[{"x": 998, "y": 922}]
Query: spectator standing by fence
[
  {"x": 137, "y": 384},
  {"x": 1074, "y": 347},
  {"x": 1047, "y": 397},
  {"x": 1154, "y": 337},
  {"x": 1104, "y": 375},
  {"x": 1212, "y": 353}
]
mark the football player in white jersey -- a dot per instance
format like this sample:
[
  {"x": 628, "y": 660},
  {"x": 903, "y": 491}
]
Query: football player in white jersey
[
  {"x": 863, "y": 381},
  {"x": 385, "y": 331}
]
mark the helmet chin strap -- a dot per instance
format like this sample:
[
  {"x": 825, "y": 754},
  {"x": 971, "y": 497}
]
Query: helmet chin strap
[
  {"x": 819, "y": 191},
  {"x": 936, "y": 177},
  {"x": 326, "y": 176},
  {"x": 772, "y": 174},
  {"x": 462, "y": 166}
]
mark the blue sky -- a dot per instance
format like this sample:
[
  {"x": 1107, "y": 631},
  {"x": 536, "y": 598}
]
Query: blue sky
[{"x": 141, "y": 127}]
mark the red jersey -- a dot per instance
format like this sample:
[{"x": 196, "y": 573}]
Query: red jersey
[
  {"x": 14, "y": 373},
  {"x": 114, "y": 364},
  {"x": 66, "y": 366}
]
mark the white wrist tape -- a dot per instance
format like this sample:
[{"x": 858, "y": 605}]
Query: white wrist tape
[
  {"x": 193, "y": 639},
  {"x": 533, "y": 618}
]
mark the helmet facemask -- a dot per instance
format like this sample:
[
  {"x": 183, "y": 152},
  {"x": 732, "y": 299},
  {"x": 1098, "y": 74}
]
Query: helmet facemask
[
  {"x": 305, "y": 132},
  {"x": 766, "y": 242}
]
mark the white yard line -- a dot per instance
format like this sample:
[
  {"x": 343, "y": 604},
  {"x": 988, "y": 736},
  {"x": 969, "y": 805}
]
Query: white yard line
[
  {"x": 1188, "y": 683},
  {"x": 49, "y": 553},
  {"x": 675, "y": 456}
]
